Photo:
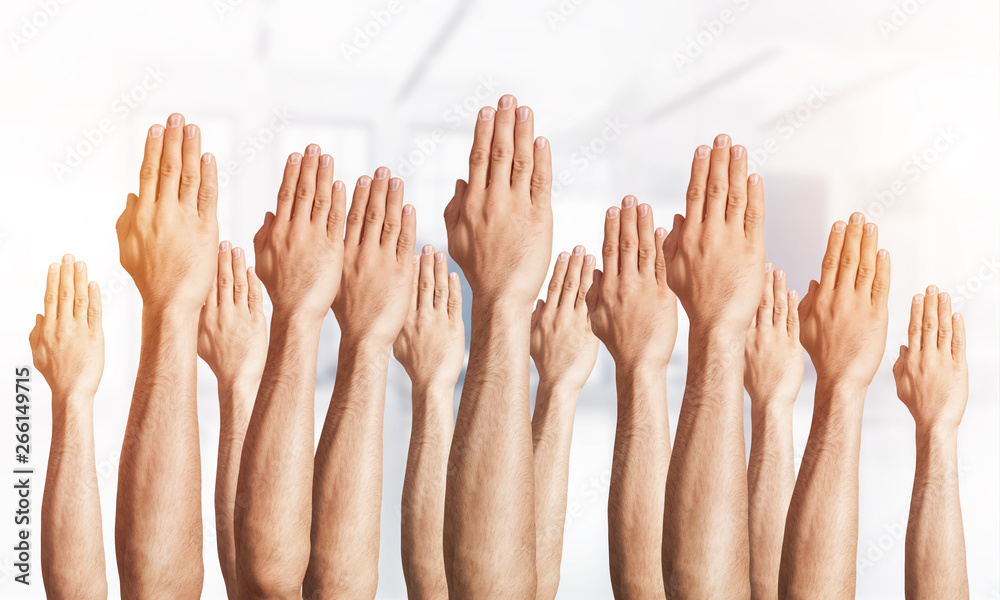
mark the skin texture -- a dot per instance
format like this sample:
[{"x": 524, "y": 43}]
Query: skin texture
[
  {"x": 715, "y": 265},
  {"x": 634, "y": 313},
  {"x": 564, "y": 350},
  {"x": 932, "y": 380},
  {"x": 232, "y": 340},
  {"x": 168, "y": 237},
  {"x": 844, "y": 319},
  {"x": 371, "y": 306},
  {"x": 772, "y": 377},
  {"x": 431, "y": 347},
  {"x": 67, "y": 345},
  {"x": 500, "y": 234},
  {"x": 299, "y": 252}
]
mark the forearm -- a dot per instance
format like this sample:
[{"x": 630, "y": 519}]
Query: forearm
[
  {"x": 552, "y": 433},
  {"x": 424, "y": 489},
  {"x": 236, "y": 399},
  {"x": 158, "y": 514},
  {"x": 489, "y": 534},
  {"x": 818, "y": 558},
  {"x": 72, "y": 540},
  {"x": 770, "y": 481},
  {"x": 274, "y": 490},
  {"x": 935, "y": 540},
  {"x": 638, "y": 478},
  {"x": 347, "y": 484},
  {"x": 705, "y": 531}
]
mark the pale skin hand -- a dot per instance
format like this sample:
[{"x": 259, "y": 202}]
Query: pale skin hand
[
  {"x": 932, "y": 380},
  {"x": 773, "y": 375},
  {"x": 67, "y": 345},
  {"x": 634, "y": 313},
  {"x": 232, "y": 340},
  {"x": 431, "y": 347},
  {"x": 168, "y": 236},
  {"x": 564, "y": 350},
  {"x": 715, "y": 264},
  {"x": 371, "y": 306},
  {"x": 299, "y": 252},
  {"x": 844, "y": 319},
  {"x": 500, "y": 233}
]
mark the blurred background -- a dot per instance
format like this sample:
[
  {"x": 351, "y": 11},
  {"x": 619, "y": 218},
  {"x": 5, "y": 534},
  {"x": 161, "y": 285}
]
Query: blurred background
[{"x": 888, "y": 107}]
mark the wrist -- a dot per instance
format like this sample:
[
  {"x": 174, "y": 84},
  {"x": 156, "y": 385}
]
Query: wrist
[
  {"x": 936, "y": 435},
  {"x": 433, "y": 388},
  {"x": 296, "y": 317},
  {"x": 173, "y": 317},
  {"x": 499, "y": 306},
  {"x": 557, "y": 387}
]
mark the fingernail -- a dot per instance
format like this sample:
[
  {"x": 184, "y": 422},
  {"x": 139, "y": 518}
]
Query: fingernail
[
  {"x": 408, "y": 209},
  {"x": 237, "y": 252},
  {"x": 325, "y": 160},
  {"x": 381, "y": 173},
  {"x": 439, "y": 257},
  {"x": 768, "y": 267},
  {"x": 79, "y": 266},
  {"x": 394, "y": 183},
  {"x": 522, "y": 113},
  {"x": 207, "y": 158},
  {"x": 174, "y": 120},
  {"x": 754, "y": 179},
  {"x": 721, "y": 140},
  {"x": 190, "y": 130},
  {"x": 613, "y": 212},
  {"x": 453, "y": 276},
  {"x": 702, "y": 151},
  {"x": 779, "y": 275},
  {"x": 312, "y": 149},
  {"x": 589, "y": 259},
  {"x": 918, "y": 299},
  {"x": 932, "y": 290},
  {"x": 364, "y": 181},
  {"x": 338, "y": 185},
  {"x": 869, "y": 228},
  {"x": 427, "y": 249},
  {"x": 541, "y": 142},
  {"x": 957, "y": 317},
  {"x": 943, "y": 296},
  {"x": 54, "y": 268},
  {"x": 737, "y": 152},
  {"x": 792, "y": 294},
  {"x": 856, "y": 218},
  {"x": 579, "y": 250},
  {"x": 68, "y": 259},
  {"x": 416, "y": 258},
  {"x": 156, "y": 131},
  {"x": 486, "y": 113},
  {"x": 628, "y": 202},
  {"x": 295, "y": 158},
  {"x": 563, "y": 256},
  {"x": 883, "y": 254},
  {"x": 661, "y": 232},
  {"x": 506, "y": 101},
  {"x": 839, "y": 226},
  {"x": 93, "y": 285},
  {"x": 224, "y": 246},
  {"x": 251, "y": 271},
  {"x": 643, "y": 210}
]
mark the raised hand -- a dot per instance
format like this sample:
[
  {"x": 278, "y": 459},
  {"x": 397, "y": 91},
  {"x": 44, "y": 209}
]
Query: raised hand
[{"x": 774, "y": 355}]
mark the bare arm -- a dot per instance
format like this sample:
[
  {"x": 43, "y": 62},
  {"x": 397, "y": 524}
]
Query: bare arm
[
  {"x": 500, "y": 233},
  {"x": 844, "y": 323},
  {"x": 932, "y": 380},
  {"x": 565, "y": 350},
  {"x": 168, "y": 236},
  {"x": 715, "y": 264},
  {"x": 299, "y": 256},
  {"x": 773, "y": 376},
  {"x": 431, "y": 347},
  {"x": 67, "y": 344}
]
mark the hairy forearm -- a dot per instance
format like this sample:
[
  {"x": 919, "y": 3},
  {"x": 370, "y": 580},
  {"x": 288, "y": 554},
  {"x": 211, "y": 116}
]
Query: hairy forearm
[
  {"x": 552, "y": 433},
  {"x": 274, "y": 491},
  {"x": 72, "y": 540},
  {"x": 158, "y": 515},
  {"x": 423, "y": 491},
  {"x": 638, "y": 478},
  {"x": 236, "y": 398},
  {"x": 489, "y": 534},
  {"x": 770, "y": 481},
  {"x": 705, "y": 529},
  {"x": 347, "y": 485},
  {"x": 935, "y": 540},
  {"x": 818, "y": 558}
]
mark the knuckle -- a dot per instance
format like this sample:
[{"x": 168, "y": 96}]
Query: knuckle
[
  {"x": 373, "y": 217},
  {"x": 913, "y": 329},
  {"x": 355, "y": 218},
  {"x": 540, "y": 179},
  {"x": 148, "y": 172},
  {"x": 610, "y": 248},
  {"x": 717, "y": 188},
  {"x": 206, "y": 193},
  {"x": 865, "y": 271},
  {"x": 50, "y": 297},
  {"x": 189, "y": 180},
  {"x": 646, "y": 253},
  {"x": 830, "y": 263},
  {"x": 754, "y": 214},
  {"x": 390, "y": 226},
  {"x": 522, "y": 164},
  {"x": 479, "y": 157},
  {"x": 303, "y": 193},
  {"x": 65, "y": 294},
  {"x": 695, "y": 193},
  {"x": 405, "y": 239},
  {"x": 628, "y": 244},
  {"x": 501, "y": 152},
  {"x": 736, "y": 198},
  {"x": 848, "y": 259},
  {"x": 170, "y": 168},
  {"x": 554, "y": 284}
]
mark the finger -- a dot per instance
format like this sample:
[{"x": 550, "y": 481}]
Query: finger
[
  {"x": 454, "y": 297},
  {"x": 805, "y": 307},
  {"x": 880, "y": 285},
  {"x": 958, "y": 338},
  {"x": 736, "y": 203},
  {"x": 324, "y": 191},
  {"x": 536, "y": 315},
  {"x": 64, "y": 309},
  {"x": 866, "y": 263},
  {"x": 717, "y": 192},
  {"x": 425, "y": 291},
  {"x": 541, "y": 174},
  {"x": 375, "y": 213},
  {"x": 393, "y": 213},
  {"x": 482, "y": 142},
  {"x": 305, "y": 187},
  {"x": 831, "y": 260},
  {"x": 36, "y": 330},
  {"x": 212, "y": 302},
  {"x": 586, "y": 281},
  {"x": 356, "y": 216},
  {"x": 502, "y": 154},
  {"x": 171, "y": 159},
  {"x": 239, "y": 266},
  {"x": 524, "y": 148},
  {"x": 94, "y": 309},
  {"x": 754, "y": 217},
  {"x": 612, "y": 227},
  {"x": 628, "y": 240},
  {"x": 661, "y": 262},
  {"x": 338, "y": 208},
  {"x": 440, "y": 282},
  {"x": 916, "y": 322},
  {"x": 190, "y": 166},
  {"x": 780, "y": 299},
  {"x": 595, "y": 289},
  {"x": 225, "y": 274},
  {"x": 286, "y": 193},
  {"x": 556, "y": 282},
  {"x": 929, "y": 335},
  {"x": 453, "y": 208},
  {"x": 793, "y": 315},
  {"x": 765, "y": 311},
  {"x": 51, "y": 292},
  {"x": 944, "y": 321},
  {"x": 850, "y": 256},
  {"x": 415, "y": 285},
  {"x": 407, "y": 233},
  {"x": 124, "y": 223},
  {"x": 208, "y": 190},
  {"x": 260, "y": 238},
  {"x": 670, "y": 244},
  {"x": 695, "y": 209},
  {"x": 81, "y": 296},
  {"x": 149, "y": 172},
  {"x": 571, "y": 284},
  {"x": 647, "y": 240},
  {"x": 255, "y": 297}
]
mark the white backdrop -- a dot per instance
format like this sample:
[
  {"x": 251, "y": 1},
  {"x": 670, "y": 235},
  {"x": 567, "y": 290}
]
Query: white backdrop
[{"x": 884, "y": 106}]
